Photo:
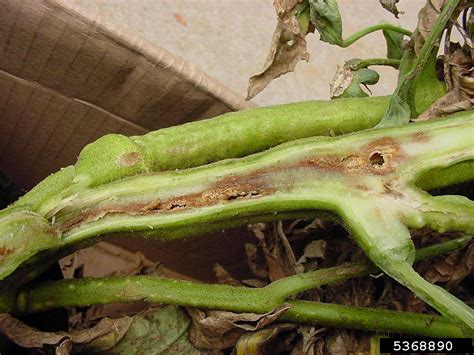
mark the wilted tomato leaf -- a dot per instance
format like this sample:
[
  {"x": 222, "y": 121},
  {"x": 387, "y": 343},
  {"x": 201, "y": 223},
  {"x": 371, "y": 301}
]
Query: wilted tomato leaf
[
  {"x": 265, "y": 341},
  {"x": 398, "y": 113},
  {"x": 391, "y": 6},
  {"x": 426, "y": 19},
  {"x": 347, "y": 81},
  {"x": 156, "y": 332},
  {"x": 426, "y": 89},
  {"x": 288, "y": 45},
  {"x": 101, "y": 337},
  {"x": 220, "y": 330},
  {"x": 326, "y": 18},
  {"x": 394, "y": 42},
  {"x": 461, "y": 97}
]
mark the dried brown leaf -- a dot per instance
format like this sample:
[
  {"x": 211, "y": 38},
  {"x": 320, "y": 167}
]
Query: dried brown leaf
[
  {"x": 259, "y": 230},
  {"x": 312, "y": 343},
  {"x": 341, "y": 81},
  {"x": 316, "y": 249},
  {"x": 347, "y": 342},
  {"x": 102, "y": 336},
  {"x": 284, "y": 9},
  {"x": 287, "y": 50},
  {"x": 220, "y": 330},
  {"x": 451, "y": 269},
  {"x": 349, "y": 80},
  {"x": 426, "y": 19},
  {"x": 224, "y": 277},
  {"x": 256, "y": 265},
  {"x": 277, "y": 252},
  {"x": 105, "y": 259},
  {"x": 461, "y": 97},
  {"x": 254, "y": 283},
  {"x": 290, "y": 256},
  {"x": 288, "y": 47},
  {"x": 339, "y": 343}
]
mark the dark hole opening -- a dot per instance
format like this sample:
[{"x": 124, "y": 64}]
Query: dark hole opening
[
  {"x": 377, "y": 159},
  {"x": 465, "y": 189}
]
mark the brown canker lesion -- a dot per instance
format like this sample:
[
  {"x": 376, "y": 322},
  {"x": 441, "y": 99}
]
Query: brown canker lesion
[
  {"x": 379, "y": 157},
  {"x": 5, "y": 251},
  {"x": 129, "y": 159},
  {"x": 420, "y": 137},
  {"x": 212, "y": 196}
]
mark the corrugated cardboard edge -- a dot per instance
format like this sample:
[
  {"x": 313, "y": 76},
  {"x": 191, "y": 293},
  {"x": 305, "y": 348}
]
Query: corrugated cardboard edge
[
  {"x": 158, "y": 55},
  {"x": 66, "y": 80}
]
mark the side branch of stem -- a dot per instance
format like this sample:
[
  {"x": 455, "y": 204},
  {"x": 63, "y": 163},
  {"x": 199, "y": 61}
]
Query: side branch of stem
[
  {"x": 381, "y": 26},
  {"x": 86, "y": 292}
]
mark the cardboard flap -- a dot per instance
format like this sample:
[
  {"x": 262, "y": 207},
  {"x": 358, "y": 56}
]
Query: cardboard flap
[{"x": 66, "y": 80}]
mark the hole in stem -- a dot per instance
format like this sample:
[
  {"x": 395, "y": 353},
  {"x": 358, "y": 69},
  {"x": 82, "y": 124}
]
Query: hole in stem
[{"x": 376, "y": 159}]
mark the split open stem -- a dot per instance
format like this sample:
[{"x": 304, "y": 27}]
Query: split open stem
[{"x": 367, "y": 179}]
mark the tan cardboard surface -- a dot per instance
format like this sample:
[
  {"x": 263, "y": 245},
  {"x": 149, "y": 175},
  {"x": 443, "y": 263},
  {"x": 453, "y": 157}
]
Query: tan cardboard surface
[
  {"x": 66, "y": 80},
  {"x": 230, "y": 40}
]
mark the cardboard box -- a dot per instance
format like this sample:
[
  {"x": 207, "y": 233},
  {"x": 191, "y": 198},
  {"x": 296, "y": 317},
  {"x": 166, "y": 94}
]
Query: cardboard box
[{"x": 66, "y": 80}]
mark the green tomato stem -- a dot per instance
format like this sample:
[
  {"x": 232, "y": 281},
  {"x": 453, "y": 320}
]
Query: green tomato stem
[
  {"x": 381, "y": 26},
  {"x": 370, "y": 319},
  {"x": 364, "y": 63},
  {"x": 367, "y": 179},
  {"x": 87, "y": 292},
  {"x": 399, "y": 111}
]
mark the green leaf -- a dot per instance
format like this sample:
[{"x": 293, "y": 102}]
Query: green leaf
[
  {"x": 398, "y": 113},
  {"x": 326, "y": 18},
  {"x": 155, "y": 332},
  {"x": 432, "y": 21},
  {"x": 348, "y": 80},
  {"x": 470, "y": 25},
  {"x": 304, "y": 19},
  {"x": 391, "y": 6},
  {"x": 426, "y": 89},
  {"x": 394, "y": 44}
]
